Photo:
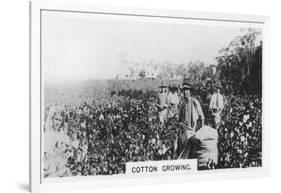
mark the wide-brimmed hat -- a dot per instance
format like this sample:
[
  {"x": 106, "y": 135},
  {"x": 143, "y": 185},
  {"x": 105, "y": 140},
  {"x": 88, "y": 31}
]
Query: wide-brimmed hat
[
  {"x": 163, "y": 84},
  {"x": 186, "y": 84}
]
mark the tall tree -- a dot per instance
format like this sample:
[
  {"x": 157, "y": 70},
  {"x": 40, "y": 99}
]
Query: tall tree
[{"x": 237, "y": 62}]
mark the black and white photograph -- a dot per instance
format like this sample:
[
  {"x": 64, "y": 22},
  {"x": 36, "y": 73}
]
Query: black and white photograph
[{"x": 119, "y": 89}]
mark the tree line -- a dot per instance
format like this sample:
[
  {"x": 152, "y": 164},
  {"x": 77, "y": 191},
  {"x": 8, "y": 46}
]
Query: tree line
[{"x": 238, "y": 66}]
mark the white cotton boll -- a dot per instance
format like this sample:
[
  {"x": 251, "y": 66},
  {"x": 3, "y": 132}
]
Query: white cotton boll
[
  {"x": 231, "y": 134},
  {"x": 164, "y": 149},
  {"x": 75, "y": 144},
  {"x": 245, "y": 118},
  {"x": 239, "y": 151},
  {"x": 250, "y": 124},
  {"x": 83, "y": 125},
  {"x": 101, "y": 117}
]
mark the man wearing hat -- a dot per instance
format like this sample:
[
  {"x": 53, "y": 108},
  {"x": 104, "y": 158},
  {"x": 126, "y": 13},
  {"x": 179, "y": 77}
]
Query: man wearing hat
[
  {"x": 217, "y": 104},
  {"x": 190, "y": 112},
  {"x": 162, "y": 103},
  {"x": 190, "y": 109},
  {"x": 173, "y": 100}
]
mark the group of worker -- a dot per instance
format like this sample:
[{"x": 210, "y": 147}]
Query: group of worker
[{"x": 187, "y": 110}]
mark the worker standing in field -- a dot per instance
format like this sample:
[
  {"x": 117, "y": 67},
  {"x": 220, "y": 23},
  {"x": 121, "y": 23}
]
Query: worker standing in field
[
  {"x": 217, "y": 104},
  {"x": 162, "y": 102},
  {"x": 190, "y": 112},
  {"x": 173, "y": 101}
]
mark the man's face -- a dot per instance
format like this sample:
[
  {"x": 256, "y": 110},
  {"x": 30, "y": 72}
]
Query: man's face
[
  {"x": 173, "y": 91},
  {"x": 163, "y": 90},
  {"x": 186, "y": 93}
]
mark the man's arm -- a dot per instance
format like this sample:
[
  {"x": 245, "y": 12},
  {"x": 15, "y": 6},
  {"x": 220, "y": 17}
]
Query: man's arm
[
  {"x": 202, "y": 122},
  {"x": 221, "y": 103},
  {"x": 211, "y": 102},
  {"x": 200, "y": 112}
]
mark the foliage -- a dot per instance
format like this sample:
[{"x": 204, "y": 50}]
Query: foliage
[{"x": 239, "y": 65}]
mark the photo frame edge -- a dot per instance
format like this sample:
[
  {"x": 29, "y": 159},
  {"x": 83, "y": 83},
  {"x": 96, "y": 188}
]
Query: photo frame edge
[{"x": 34, "y": 85}]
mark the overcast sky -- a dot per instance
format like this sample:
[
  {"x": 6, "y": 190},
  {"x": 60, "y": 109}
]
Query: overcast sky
[{"x": 91, "y": 46}]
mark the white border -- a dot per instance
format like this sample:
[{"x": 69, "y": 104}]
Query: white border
[{"x": 106, "y": 181}]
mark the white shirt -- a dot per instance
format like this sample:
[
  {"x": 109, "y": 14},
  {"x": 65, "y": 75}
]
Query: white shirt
[
  {"x": 173, "y": 98},
  {"x": 163, "y": 99},
  {"x": 217, "y": 101}
]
